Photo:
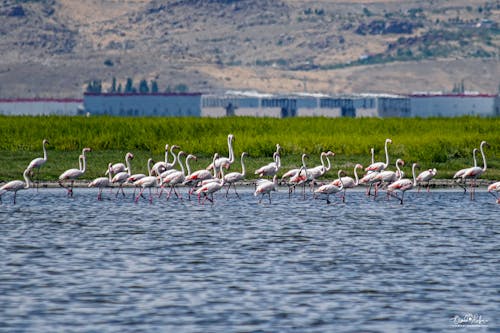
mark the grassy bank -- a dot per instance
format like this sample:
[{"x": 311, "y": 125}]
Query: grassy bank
[{"x": 445, "y": 144}]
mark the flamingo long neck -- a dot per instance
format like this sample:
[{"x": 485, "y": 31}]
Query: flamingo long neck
[
  {"x": 110, "y": 169},
  {"x": 26, "y": 178},
  {"x": 340, "y": 179},
  {"x": 150, "y": 161},
  {"x": 230, "y": 147},
  {"x": 278, "y": 161},
  {"x": 80, "y": 162},
  {"x": 216, "y": 156},
  {"x": 189, "y": 158},
  {"x": 356, "y": 174},
  {"x": 399, "y": 170},
  {"x": 44, "y": 150},
  {"x": 243, "y": 170},
  {"x": 474, "y": 151},
  {"x": 372, "y": 150},
  {"x": 127, "y": 161},
  {"x": 386, "y": 154},
  {"x": 413, "y": 173},
  {"x": 173, "y": 154},
  {"x": 329, "y": 165},
  {"x": 182, "y": 166},
  {"x": 84, "y": 163},
  {"x": 482, "y": 154}
]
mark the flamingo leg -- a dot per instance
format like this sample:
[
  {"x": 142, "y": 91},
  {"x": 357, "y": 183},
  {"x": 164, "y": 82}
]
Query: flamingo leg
[
  {"x": 15, "y": 194},
  {"x": 139, "y": 195}
]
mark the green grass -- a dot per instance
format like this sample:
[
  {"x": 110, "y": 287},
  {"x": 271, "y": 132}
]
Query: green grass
[{"x": 443, "y": 143}]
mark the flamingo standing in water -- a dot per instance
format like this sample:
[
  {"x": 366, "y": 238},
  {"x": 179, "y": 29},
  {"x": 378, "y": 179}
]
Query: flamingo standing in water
[
  {"x": 328, "y": 189},
  {"x": 135, "y": 177},
  {"x": 348, "y": 182},
  {"x": 38, "y": 162},
  {"x": 212, "y": 186},
  {"x": 388, "y": 176},
  {"x": 16, "y": 185},
  {"x": 380, "y": 166},
  {"x": 458, "y": 175},
  {"x": 233, "y": 177},
  {"x": 296, "y": 177},
  {"x": 224, "y": 161},
  {"x": 102, "y": 182},
  {"x": 72, "y": 174},
  {"x": 475, "y": 172},
  {"x": 426, "y": 176},
  {"x": 195, "y": 178},
  {"x": 265, "y": 186},
  {"x": 160, "y": 167},
  {"x": 121, "y": 177},
  {"x": 146, "y": 182},
  {"x": 270, "y": 169},
  {"x": 117, "y": 167},
  {"x": 495, "y": 187},
  {"x": 177, "y": 178},
  {"x": 403, "y": 185},
  {"x": 320, "y": 170}
]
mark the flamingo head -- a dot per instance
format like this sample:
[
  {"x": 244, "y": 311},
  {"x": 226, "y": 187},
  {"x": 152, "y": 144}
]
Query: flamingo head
[
  {"x": 388, "y": 141},
  {"x": 358, "y": 166},
  {"x": 129, "y": 156},
  {"x": 330, "y": 153},
  {"x": 86, "y": 150},
  {"x": 45, "y": 141},
  {"x": 400, "y": 162},
  {"x": 230, "y": 137}
]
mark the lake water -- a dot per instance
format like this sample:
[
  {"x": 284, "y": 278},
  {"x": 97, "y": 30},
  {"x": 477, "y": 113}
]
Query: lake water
[{"x": 79, "y": 265}]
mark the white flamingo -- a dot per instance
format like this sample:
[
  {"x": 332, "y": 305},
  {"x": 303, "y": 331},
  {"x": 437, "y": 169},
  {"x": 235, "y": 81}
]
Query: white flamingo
[
  {"x": 177, "y": 178},
  {"x": 135, "y": 177},
  {"x": 224, "y": 161},
  {"x": 494, "y": 189},
  {"x": 426, "y": 176},
  {"x": 102, "y": 182},
  {"x": 160, "y": 167},
  {"x": 197, "y": 177},
  {"x": 403, "y": 185},
  {"x": 72, "y": 174},
  {"x": 320, "y": 170},
  {"x": 458, "y": 175},
  {"x": 121, "y": 177},
  {"x": 38, "y": 162},
  {"x": 16, "y": 185},
  {"x": 209, "y": 188},
  {"x": 296, "y": 177},
  {"x": 348, "y": 182},
  {"x": 265, "y": 186},
  {"x": 117, "y": 167},
  {"x": 475, "y": 172},
  {"x": 379, "y": 166},
  {"x": 233, "y": 177},
  {"x": 146, "y": 182},
  {"x": 293, "y": 172},
  {"x": 387, "y": 177},
  {"x": 272, "y": 168},
  {"x": 328, "y": 189}
]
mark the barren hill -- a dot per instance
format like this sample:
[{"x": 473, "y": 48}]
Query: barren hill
[{"x": 53, "y": 48}]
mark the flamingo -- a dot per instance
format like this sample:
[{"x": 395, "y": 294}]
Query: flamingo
[
  {"x": 72, "y": 174},
  {"x": 265, "y": 186},
  {"x": 348, "y": 182},
  {"x": 16, "y": 185},
  {"x": 403, "y": 185},
  {"x": 475, "y": 172},
  {"x": 146, "y": 182},
  {"x": 320, "y": 170},
  {"x": 179, "y": 177},
  {"x": 199, "y": 176},
  {"x": 458, "y": 175},
  {"x": 388, "y": 176},
  {"x": 160, "y": 167},
  {"x": 39, "y": 161},
  {"x": 224, "y": 161},
  {"x": 495, "y": 187},
  {"x": 293, "y": 172},
  {"x": 211, "y": 187},
  {"x": 370, "y": 178},
  {"x": 233, "y": 177},
  {"x": 379, "y": 166},
  {"x": 426, "y": 176},
  {"x": 118, "y": 167},
  {"x": 121, "y": 177},
  {"x": 272, "y": 168},
  {"x": 135, "y": 177},
  {"x": 102, "y": 182},
  {"x": 328, "y": 189},
  {"x": 296, "y": 177}
]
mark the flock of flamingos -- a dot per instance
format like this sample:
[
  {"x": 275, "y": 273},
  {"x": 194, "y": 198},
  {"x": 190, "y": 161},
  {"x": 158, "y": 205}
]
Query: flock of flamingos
[{"x": 204, "y": 183}]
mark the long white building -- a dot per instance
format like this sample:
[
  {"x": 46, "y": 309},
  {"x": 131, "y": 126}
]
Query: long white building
[
  {"x": 454, "y": 105},
  {"x": 40, "y": 106}
]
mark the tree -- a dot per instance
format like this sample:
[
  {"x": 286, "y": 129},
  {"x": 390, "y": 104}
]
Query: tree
[
  {"x": 154, "y": 87},
  {"x": 129, "y": 86},
  {"x": 143, "y": 86},
  {"x": 113, "y": 85}
]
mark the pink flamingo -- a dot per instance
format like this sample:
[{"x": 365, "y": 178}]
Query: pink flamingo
[
  {"x": 293, "y": 172},
  {"x": 495, "y": 187},
  {"x": 177, "y": 178},
  {"x": 38, "y": 162},
  {"x": 209, "y": 188},
  {"x": 328, "y": 189},
  {"x": 271, "y": 169},
  {"x": 146, "y": 182},
  {"x": 73, "y": 174},
  {"x": 320, "y": 170},
  {"x": 379, "y": 166},
  {"x": 160, "y": 167},
  {"x": 195, "y": 178},
  {"x": 348, "y": 182},
  {"x": 224, "y": 161},
  {"x": 135, "y": 177},
  {"x": 16, "y": 185},
  {"x": 265, "y": 186},
  {"x": 403, "y": 185},
  {"x": 388, "y": 176},
  {"x": 117, "y": 167},
  {"x": 102, "y": 182},
  {"x": 426, "y": 176},
  {"x": 458, "y": 175},
  {"x": 233, "y": 177},
  {"x": 296, "y": 177},
  {"x": 475, "y": 172},
  {"x": 121, "y": 177}
]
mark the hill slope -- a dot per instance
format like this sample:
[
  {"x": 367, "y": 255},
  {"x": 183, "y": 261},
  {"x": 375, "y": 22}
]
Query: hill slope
[{"x": 53, "y": 48}]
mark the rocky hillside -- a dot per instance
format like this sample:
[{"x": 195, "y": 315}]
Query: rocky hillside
[{"x": 53, "y": 48}]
